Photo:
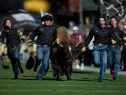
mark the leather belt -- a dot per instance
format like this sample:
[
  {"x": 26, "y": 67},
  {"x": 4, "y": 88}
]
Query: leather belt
[
  {"x": 100, "y": 45},
  {"x": 12, "y": 47},
  {"x": 114, "y": 46},
  {"x": 44, "y": 45}
]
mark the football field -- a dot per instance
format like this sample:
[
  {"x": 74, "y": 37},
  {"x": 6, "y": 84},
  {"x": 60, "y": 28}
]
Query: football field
[{"x": 83, "y": 83}]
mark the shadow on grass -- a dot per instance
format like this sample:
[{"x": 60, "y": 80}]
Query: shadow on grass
[
  {"x": 27, "y": 79},
  {"x": 47, "y": 78},
  {"x": 109, "y": 79},
  {"x": 85, "y": 79},
  {"x": 53, "y": 79},
  {"x": 85, "y": 72},
  {"x": 44, "y": 79},
  {"x": 29, "y": 76},
  {"x": 8, "y": 78},
  {"x": 90, "y": 79}
]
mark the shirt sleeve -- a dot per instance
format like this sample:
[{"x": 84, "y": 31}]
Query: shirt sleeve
[
  {"x": 34, "y": 34},
  {"x": 122, "y": 34},
  {"x": 89, "y": 38},
  {"x": 114, "y": 36}
]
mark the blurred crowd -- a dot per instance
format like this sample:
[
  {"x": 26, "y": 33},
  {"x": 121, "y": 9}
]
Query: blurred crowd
[{"x": 122, "y": 26}]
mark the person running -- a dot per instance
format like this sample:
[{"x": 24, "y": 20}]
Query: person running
[
  {"x": 101, "y": 35},
  {"x": 46, "y": 33},
  {"x": 114, "y": 53},
  {"x": 13, "y": 46}
]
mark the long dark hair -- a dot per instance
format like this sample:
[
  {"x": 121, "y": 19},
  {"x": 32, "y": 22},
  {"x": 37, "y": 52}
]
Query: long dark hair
[{"x": 5, "y": 23}]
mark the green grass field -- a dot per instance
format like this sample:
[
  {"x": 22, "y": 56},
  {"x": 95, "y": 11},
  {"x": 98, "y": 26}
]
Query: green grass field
[{"x": 83, "y": 83}]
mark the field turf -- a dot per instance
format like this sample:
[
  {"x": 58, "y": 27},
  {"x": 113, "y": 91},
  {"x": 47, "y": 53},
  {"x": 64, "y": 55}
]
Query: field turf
[{"x": 83, "y": 83}]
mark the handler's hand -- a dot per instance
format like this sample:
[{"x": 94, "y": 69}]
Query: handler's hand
[
  {"x": 83, "y": 49},
  {"x": 113, "y": 42},
  {"x": 29, "y": 41},
  {"x": 124, "y": 38},
  {"x": 1, "y": 40},
  {"x": 22, "y": 37},
  {"x": 57, "y": 41}
]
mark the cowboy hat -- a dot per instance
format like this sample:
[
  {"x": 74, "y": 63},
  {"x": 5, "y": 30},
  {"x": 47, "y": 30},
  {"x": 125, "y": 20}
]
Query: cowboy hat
[
  {"x": 47, "y": 17},
  {"x": 30, "y": 63}
]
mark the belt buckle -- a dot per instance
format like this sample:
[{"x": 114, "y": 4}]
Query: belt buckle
[
  {"x": 45, "y": 45},
  {"x": 99, "y": 44},
  {"x": 12, "y": 47}
]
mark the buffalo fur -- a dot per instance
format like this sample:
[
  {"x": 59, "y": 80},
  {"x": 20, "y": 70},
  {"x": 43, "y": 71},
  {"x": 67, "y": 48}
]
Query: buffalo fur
[
  {"x": 62, "y": 54},
  {"x": 62, "y": 33}
]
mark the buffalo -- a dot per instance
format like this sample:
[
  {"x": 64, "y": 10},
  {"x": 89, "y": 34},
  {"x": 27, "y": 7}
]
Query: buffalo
[{"x": 62, "y": 54}]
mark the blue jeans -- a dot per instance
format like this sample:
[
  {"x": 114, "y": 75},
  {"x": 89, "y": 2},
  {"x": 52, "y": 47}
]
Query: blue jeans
[
  {"x": 114, "y": 53},
  {"x": 100, "y": 59},
  {"x": 14, "y": 57},
  {"x": 43, "y": 55}
]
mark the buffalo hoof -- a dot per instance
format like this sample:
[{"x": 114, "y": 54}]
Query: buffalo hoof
[
  {"x": 61, "y": 77},
  {"x": 54, "y": 74}
]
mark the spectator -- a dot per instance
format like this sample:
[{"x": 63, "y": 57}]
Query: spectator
[
  {"x": 70, "y": 29},
  {"x": 80, "y": 40}
]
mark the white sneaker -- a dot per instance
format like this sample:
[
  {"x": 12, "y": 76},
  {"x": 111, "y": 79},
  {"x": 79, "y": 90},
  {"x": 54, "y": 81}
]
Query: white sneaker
[
  {"x": 82, "y": 66},
  {"x": 77, "y": 66}
]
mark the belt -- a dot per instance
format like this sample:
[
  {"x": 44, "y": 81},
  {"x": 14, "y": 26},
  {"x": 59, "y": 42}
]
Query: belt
[
  {"x": 113, "y": 46},
  {"x": 44, "y": 45},
  {"x": 100, "y": 45},
  {"x": 12, "y": 47}
]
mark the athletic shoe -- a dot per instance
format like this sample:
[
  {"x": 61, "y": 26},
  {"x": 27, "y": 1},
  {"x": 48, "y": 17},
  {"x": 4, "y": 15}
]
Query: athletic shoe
[
  {"x": 82, "y": 66},
  {"x": 114, "y": 77},
  {"x": 77, "y": 66},
  {"x": 39, "y": 78},
  {"x": 99, "y": 80},
  {"x": 16, "y": 77}
]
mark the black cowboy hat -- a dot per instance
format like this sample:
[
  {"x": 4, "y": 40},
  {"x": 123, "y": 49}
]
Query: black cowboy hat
[
  {"x": 30, "y": 63},
  {"x": 47, "y": 17}
]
